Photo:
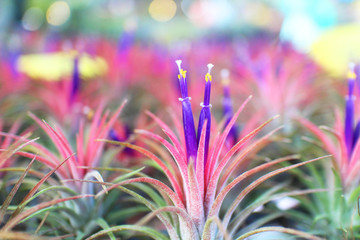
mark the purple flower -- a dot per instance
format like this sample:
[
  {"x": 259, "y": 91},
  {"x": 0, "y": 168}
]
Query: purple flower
[
  {"x": 205, "y": 114},
  {"x": 188, "y": 118},
  {"x": 75, "y": 83},
  {"x": 349, "y": 113}
]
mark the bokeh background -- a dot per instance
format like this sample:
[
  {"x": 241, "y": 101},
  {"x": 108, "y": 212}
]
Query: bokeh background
[{"x": 304, "y": 23}]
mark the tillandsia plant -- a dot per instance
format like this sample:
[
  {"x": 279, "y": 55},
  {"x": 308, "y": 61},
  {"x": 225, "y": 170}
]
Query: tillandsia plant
[
  {"x": 34, "y": 207},
  {"x": 76, "y": 172},
  {"x": 275, "y": 75},
  {"x": 335, "y": 212},
  {"x": 67, "y": 97},
  {"x": 200, "y": 171}
]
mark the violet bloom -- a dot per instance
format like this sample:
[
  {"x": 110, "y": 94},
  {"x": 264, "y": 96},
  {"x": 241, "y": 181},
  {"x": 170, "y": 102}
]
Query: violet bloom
[
  {"x": 205, "y": 113},
  {"x": 227, "y": 106},
  {"x": 75, "y": 82},
  {"x": 188, "y": 118},
  {"x": 351, "y": 134},
  {"x": 357, "y": 128}
]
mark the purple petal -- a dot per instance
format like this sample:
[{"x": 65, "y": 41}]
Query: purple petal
[
  {"x": 205, "y": 113},
  {"x": 75, "y": 80},
  {"x": 356, "y": 135},
  {"x": 189, "y": 129},
  {"x": 188, "y": 118},
  {"x": 349, "y": 117}
]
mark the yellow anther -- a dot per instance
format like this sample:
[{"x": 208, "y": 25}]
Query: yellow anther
[
  {"x": 208, "y": 77},
  {"x": 351, "y": 75},
  {"x": 183, "y": 73}
]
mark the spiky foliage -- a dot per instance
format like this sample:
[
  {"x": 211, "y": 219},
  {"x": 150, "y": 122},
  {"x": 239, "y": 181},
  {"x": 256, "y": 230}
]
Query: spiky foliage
[
  {"x": 281, "y": 79},
  {"x": 199, "y": 174},
  {"x": 335, "y": 212},
  {"x": 78, "y": 174},
  {"x": 39, "y": 205},
  {"x": 88, "y": 150}
]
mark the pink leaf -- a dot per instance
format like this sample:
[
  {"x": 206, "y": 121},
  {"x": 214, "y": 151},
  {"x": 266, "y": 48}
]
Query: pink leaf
[
  {"x": 200, "y": 161},
  {"x": 35, "y": 188},
  {"x": 256, "y": 183},
  {"x": 156, "y": 183},
  {"x": 195, "y": 204},
  {"x": 217, "y": 150},
  {"x": 211, "y": 187},
  {"x": 179, "y": 159},
  {"x": 150, "y": 155}
]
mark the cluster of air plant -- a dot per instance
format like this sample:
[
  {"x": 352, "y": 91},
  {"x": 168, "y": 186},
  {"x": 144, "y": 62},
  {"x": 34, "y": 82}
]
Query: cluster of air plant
[
  {"x": 282, "y": 80},
  {"x": 335, "y": 212},
  {"x": 205, "y": 179},
  {"x": 75, "y": 177}
]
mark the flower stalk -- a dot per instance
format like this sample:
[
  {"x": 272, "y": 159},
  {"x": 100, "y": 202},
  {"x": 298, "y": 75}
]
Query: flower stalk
[{"x": 227, "y": 106}]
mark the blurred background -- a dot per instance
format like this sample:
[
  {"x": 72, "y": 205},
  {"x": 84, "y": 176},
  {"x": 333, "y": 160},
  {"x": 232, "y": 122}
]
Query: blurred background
[{"x": 323, "y": 28}]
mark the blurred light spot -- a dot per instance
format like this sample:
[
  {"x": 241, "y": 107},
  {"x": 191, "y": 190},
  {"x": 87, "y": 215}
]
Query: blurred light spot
[
  {"x": 257, "y": 14},
  {"x": 59, "y": 65},
  {"x": 203, "y": 13},
  {"x": 261, "y": 15},
  {"x": 32, "y": 19},
  {"x": 131, "y": 23},
  {"x": 336, "y": 47},
  {"x": 210, "y": 13},
  {"x": 58, "y": 13},
  {"x": 286, "y": 203},
  {"x": 162, "y": 10},
  {"x": 356, "y": 11},
  {"x": 121, "y": 8},
  {"x": 301, "y": 30}
]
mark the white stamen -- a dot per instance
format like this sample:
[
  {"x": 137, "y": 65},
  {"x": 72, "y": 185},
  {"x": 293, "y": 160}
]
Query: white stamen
[
  {"x": 351, "y": 66},
  {"x": 178, "y": 62},
  {"x": 225, "y": 73},
  {"x": 210, "y": 66},
  {"x": 225, "y": 77}
]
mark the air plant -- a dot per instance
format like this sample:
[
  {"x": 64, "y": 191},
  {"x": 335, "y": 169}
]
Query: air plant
[
  {"x": 335, "y": 212},
  {"x": 275, "y": 75},
  {"x": 28, "y": 208},
  {"x": 37, "y": 206},
  {"x": 200, "y": 172},
  {"x": 63, "y": 92},
  {"x": 77, "y": 172}
]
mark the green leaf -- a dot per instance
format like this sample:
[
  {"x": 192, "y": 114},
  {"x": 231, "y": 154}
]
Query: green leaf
[
  {"x": 144, "y": 230},
  {"x": 15, "y": 220},
  {"x": 260, "y": 222},
  {"x": 13, "y": 191},
  {"x": 279, "y": 229}
]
